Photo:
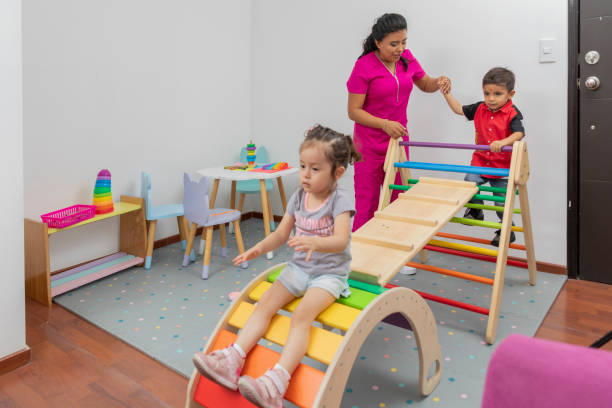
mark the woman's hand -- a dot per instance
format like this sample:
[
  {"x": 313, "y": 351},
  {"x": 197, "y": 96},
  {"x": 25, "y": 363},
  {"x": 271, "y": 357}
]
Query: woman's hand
[
  {"x": 444, "y": 84},
  {"x": 394, "y": 129},
  {"x": 303, "y": 244},
  {"x": 252, "y": 253}
]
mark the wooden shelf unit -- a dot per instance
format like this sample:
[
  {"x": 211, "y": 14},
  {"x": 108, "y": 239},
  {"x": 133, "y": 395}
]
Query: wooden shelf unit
[{"x": 42, "y": 284}]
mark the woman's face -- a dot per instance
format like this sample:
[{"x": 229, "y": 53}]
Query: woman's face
[{"x": 392, "y": 46}]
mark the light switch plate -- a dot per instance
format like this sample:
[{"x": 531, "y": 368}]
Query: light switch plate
[{"x": 548, "y": 50}]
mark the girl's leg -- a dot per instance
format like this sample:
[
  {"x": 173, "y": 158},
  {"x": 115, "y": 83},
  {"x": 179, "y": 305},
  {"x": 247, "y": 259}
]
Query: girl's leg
[
  {"x": 369, "y": 176},
  {"x": 314, "y": 302},
  {"x": 275, "y": 298}
]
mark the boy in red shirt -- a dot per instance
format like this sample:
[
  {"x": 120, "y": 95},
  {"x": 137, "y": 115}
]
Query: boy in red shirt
[{"x": 498, "y": 123}]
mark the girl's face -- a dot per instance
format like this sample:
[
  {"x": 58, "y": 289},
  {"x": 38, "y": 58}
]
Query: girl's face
[
  {"x": 316, "y": 170},
  {"x": 392, "y": 45}
]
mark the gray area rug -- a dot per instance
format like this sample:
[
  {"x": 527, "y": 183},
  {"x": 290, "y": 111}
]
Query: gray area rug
[{"x": 168, "y": 312}]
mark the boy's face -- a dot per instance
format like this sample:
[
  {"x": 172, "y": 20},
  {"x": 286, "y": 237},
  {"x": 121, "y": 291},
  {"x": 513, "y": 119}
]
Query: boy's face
[{"x": 496, "y": 96}]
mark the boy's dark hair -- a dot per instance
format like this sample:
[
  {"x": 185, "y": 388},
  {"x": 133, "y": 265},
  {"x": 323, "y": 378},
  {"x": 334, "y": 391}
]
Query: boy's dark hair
[
  {"x": 386, "y": 24},
  {"x": 339, "y": 148},
  {"x": 499, "y": 76}
]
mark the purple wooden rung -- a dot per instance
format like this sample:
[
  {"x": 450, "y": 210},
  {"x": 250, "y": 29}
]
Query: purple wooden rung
[{"x": 454, "y": 146}]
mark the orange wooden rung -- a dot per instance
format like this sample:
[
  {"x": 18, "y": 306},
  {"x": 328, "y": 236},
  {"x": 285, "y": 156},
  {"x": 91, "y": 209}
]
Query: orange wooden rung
[{"x": 302, "y": 390}]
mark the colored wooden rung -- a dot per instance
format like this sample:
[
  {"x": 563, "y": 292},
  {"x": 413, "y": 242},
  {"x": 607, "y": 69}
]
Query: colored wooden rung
[
  {"x": 449, "y": 272},
  {"x": 489, "y": 197},
  {"x": 449, "y": 302},
  {"x": 491, "y": 259},
  {"x": 336, "y": 315},
  {"x": 477, "y": 240},
  {"x": 322, "y": 346},
  {"x": 486, "y": 224},
  {"x": 358, "y": 298},
  {"x": 487, "y": 171},
  {"x": 490, "y": 208},
  {"x": 302, "y": 391},
  {"x": 463, "y": 247}
]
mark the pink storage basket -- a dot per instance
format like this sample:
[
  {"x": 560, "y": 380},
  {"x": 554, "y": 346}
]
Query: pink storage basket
[{"x": 69, "y": 215}]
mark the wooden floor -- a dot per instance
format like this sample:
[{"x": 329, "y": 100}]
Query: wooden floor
[{"x": 75, "y": 364}]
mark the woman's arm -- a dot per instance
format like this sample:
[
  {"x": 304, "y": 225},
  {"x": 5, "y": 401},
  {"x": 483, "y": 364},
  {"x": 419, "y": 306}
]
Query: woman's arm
[
  {"x": 269, "y": 243},
  {"x": 359, "y": 115},
  {"x": 429, "y": 84},
  {"x": 332, "y": 244}
]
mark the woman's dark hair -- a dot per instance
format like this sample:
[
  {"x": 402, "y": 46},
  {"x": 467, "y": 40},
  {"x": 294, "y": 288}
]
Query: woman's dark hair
[
  {"x": 386, "y": 24},
  {"x": 499, "y": 76},
  {"x": 339, "y": 148}
]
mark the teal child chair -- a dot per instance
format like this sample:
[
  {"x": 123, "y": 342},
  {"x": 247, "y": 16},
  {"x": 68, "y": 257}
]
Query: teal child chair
[
  {"x": 158, "y": 212},
  {"x": 252, "y": 186},
  {"x": 197, "y": 211}
]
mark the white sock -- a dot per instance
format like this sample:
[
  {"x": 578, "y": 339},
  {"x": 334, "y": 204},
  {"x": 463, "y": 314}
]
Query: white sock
[
  {"x": 239, "y": 349},
  {"x": 274, "y": 373}
]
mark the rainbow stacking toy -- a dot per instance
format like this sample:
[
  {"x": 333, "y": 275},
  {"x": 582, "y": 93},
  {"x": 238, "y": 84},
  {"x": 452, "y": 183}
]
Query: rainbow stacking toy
[
  {"x": 102, "y": 197},
  {"x": 251, "y": 154}
]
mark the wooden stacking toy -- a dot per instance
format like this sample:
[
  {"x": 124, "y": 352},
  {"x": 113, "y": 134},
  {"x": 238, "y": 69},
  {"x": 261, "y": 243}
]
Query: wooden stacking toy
[
  {"x": 102, "y": 196},
  {"x": 251, "y": 153}
]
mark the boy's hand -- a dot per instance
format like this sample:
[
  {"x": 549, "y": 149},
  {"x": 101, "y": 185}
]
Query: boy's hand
[
  {"x": 248, "y": 255},
  {"x": 496, "y": 146},
  {"x": 444, "y": 84},
  {"x": 394, "y": 129},
  {"x": 303, "y": 244}
]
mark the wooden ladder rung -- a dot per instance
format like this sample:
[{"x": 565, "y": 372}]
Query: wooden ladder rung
[
  {"x": 430, "y": 199},
  {"x": 336, "y": 315},
  {"x": 302, "y": 391},
  {"x": 322, "y": 346},
  {"x": 379, "y": 241},
  {"x": 412, "y": 220}
]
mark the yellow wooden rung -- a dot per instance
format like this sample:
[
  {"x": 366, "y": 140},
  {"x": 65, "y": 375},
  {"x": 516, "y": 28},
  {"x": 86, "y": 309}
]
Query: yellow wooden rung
[
  {"x": 337, "y": 315},
  {"x": 322, "y": 345}
]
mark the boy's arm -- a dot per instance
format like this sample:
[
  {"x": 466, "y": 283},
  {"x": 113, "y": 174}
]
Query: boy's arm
[
  {"x": 331, "y": 244},
  {"x": 453, "y": 103},
  {"x": 497, "y": 145}
]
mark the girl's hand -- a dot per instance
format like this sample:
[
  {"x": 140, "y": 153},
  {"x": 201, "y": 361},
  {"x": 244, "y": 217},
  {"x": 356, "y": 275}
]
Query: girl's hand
[
  {"x": 496, "y": 146},
  {"x": 248, "y": 255},
  {"x": 444, "y": 84},
  {"x": 303, "y": 244},
  {"x": 394, "y": 129}
]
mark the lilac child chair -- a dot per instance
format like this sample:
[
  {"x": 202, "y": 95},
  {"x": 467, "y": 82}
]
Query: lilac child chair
[{"x": 197, "y": 211}]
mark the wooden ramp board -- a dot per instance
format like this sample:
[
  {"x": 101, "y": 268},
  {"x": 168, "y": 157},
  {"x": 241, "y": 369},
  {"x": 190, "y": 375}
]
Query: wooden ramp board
[{"x": 397, "y": 233}]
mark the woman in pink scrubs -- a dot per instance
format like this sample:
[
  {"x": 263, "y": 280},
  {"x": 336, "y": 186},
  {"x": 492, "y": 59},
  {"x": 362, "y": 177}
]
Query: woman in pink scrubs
[{"x": 379, "y": 89}]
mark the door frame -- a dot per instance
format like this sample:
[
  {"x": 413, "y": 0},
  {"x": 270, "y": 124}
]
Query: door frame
[{"x": 573, "y": 122}]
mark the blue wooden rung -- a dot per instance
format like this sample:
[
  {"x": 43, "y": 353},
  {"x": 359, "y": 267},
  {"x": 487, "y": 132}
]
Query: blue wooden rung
[{"x": 487, "y": 171}]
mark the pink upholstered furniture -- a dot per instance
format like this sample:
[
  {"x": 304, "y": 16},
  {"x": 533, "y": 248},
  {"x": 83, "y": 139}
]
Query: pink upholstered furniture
[{"x": 526, "y": 372}]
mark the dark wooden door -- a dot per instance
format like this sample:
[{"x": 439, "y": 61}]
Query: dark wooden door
[{"x": 595, "y": 141}]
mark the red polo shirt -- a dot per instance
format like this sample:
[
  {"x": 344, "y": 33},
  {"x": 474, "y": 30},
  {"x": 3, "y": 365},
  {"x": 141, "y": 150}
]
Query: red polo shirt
[{"x": 491, "y": 126}]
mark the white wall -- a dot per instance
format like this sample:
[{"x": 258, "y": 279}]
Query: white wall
[
  {"x": 146, "y": 85},
  {"x": 303, "y": 53},
  {"x": 12, "y": 328}
]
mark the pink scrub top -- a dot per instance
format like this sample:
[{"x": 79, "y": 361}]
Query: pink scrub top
[{"x": 386, "y": 97}]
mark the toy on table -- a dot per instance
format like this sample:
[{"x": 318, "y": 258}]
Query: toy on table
[
  {"x": 102, "y": 196},
  {"x": 271, "y": 167},
  {"x": 251, "y": 153},
  {"x": 237, "y": 166}
]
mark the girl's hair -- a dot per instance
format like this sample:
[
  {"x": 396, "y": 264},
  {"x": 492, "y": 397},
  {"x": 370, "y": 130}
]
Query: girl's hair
[
  {"x": 339, "y": 148},
  {"x": 386, "y": 24}
]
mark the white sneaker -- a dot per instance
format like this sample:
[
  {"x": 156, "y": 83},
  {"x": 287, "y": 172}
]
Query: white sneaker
[{"x": 407, "y": 270}]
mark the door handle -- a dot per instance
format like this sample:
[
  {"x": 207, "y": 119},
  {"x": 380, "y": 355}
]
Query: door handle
[{"x": 592, "y": 83}]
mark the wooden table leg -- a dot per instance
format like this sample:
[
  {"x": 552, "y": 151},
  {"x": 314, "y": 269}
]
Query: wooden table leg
[
  {"x": 281, "y": 191},
  {"x": 265, "y": 211},
  {"x": 232, "y": 204}
]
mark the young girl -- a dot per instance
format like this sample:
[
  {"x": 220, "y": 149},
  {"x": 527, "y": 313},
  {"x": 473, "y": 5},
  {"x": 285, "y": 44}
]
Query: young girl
[{"x": 318, "y": 270}]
